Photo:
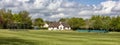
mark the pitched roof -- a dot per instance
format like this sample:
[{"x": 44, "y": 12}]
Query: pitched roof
[
  {"x": 65, "y": 24},
  {"x": 57, "y": 24}
]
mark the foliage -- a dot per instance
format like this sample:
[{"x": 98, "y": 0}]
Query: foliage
[
  {"x": 105, "y": 22},
  {"x": 100, "y": 22},
  {"x": 115, "y": 23},
  {"x": 38, "y": 22},
  {"x": 75, "y": 23},
  {"x": 8, "y": 18},
  {"x": 63, "y": 20},
  {"x": 95, "y": 22}
]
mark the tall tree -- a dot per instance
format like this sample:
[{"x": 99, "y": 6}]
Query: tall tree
[
  {"x": 8, "y": 18},
  {"x": 76, "y": 23},
  {"x": 118, "y": 23},
  {"x": 6, "y": 15},
  {"x": 38, "y": 22},
  {"x": 115, "y": 23},
  {"x": 25, "y": 17},
  {"x": 100, "y": 22},
  {"x": 106, "y": 20},
  {"x": 96, "y": 22}
]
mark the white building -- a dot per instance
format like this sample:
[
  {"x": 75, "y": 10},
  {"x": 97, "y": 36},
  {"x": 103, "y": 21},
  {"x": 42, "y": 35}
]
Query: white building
[
  {"x": 46, "y": 25},
  {"x": 59, "y": 26}
]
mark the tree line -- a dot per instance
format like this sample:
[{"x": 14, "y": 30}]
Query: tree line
[
  {"x": 96, "y": 22},
  {"x": 22, "y": 20}
]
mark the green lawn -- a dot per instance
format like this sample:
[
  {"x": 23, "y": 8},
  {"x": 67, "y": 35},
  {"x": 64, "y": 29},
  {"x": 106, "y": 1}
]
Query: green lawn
[{"x": 57, "y": 38}]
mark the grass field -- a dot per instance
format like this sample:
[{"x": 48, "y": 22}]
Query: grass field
[{"x": 57, "y": 38}]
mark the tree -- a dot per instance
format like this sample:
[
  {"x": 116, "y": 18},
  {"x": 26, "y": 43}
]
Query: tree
[
  {"x": 25, "y": 17},
  {"x": 8, "y": 18},
  {"x": 115, "y": 23},
  {"x": 106, "y": 20},
  {"x": 2, "y": 11},
  {"x": 63, "y": 20},
  {"x": 118, "y": 23},
  {"x": 22, "y": 20},
  {"x": 17, "y": 18},
  {"x": 6, "y": 15},
  {"x": 76, "y": 23},
  {"x": 100, "y": 22},
  {"x": 38, "y": 22},
  {"x": 96, "y": 22}
]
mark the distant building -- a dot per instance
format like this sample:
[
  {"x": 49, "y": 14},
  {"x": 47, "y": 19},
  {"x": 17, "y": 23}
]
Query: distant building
[
  {"x": 58, "y": 26},
  {"x": 45, "y": 25}
]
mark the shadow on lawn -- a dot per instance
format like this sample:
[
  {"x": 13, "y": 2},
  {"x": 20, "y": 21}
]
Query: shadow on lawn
[{"x": 15, "y": 41}]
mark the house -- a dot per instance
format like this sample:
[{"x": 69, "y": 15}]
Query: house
[
  {"x": 58, "y": 26},
  {"x": 45, "y": 25}
]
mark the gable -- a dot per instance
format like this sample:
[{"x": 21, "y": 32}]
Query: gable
[{"x": 57, "y": 24}]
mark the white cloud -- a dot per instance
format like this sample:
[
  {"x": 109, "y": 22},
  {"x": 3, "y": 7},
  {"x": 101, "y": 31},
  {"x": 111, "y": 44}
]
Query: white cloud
[
  {"x": 60, "y": 9},
  {"x": 86, "y": 12},
  {"x": 39, "y": 4},
  {"x": 60, "y": 15},
  {"x": 55, "y": 4},
  {"x": 69, "y": 4},
  {"x": 23, "y": 0},
  {"x": 117, "y": 7},
  {"x": 108, "y": 6},
  {"x": 55, "y": 9}
]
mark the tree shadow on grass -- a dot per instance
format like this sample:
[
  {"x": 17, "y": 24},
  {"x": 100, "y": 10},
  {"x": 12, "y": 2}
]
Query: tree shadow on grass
[{"x": 15, "y": 41}]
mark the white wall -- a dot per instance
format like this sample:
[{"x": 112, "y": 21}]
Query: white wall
[
  {"x": 50, "y": 28},
  {"x": 46, "y": 25},
  {"x": 61, "y": 27}
]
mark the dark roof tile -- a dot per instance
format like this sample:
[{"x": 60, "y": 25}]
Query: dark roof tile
[{"x": 57, "y": 24}]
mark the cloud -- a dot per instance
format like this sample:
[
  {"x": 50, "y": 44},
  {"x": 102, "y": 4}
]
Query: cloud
[
  {"x": 54, "y": 4},
  {"x": 56, "y": 9},
  {"x": 85, "y": 12},
  {"x": 61, "y": 15},
  {"x": 104, "y": 8},
  {"x": 108, "y": 6}
]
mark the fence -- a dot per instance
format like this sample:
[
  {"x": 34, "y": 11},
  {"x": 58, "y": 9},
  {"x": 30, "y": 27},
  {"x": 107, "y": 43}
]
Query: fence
[{"x": 98, "y": 31}]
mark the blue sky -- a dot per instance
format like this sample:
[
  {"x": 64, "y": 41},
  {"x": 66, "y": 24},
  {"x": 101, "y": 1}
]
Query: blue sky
[
  {"x": 55, "y": 9},
  {"x": 91, "y": 2}
]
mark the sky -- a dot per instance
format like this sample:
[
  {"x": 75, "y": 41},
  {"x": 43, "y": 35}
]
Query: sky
[{"x": 53, "y": 10}]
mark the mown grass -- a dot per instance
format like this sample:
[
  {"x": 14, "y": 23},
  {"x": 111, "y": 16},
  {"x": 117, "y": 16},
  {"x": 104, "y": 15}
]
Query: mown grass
[{"x": 37, "y": 37}]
